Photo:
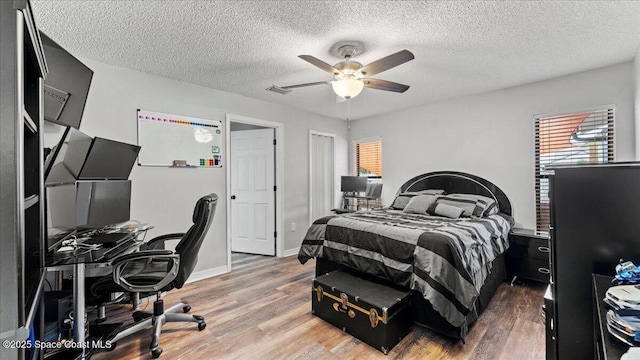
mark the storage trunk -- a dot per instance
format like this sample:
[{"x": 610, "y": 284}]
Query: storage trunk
[{"x": 376, "y": 314}]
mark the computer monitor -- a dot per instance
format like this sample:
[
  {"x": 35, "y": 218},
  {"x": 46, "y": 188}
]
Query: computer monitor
[
  {"x": 108, "y": 159},
  {"x": 81, "y": 157},
  {"x": 53, "y": 140},
  {"x": 66, "y": 87},
  {"x": 87, "y": 205},
  {"x": 353, "y": 184}
]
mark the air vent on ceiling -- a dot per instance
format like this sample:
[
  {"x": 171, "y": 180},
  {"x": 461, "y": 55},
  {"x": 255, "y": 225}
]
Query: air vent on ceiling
[{"x": 278, "y": 89}]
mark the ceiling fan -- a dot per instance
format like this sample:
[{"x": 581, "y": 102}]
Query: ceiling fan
[{"x": 350, "y": 76}]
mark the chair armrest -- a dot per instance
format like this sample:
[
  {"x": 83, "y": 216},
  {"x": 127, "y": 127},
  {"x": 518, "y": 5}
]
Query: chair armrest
[
  {"x": 158, "y": 241},
  {"x": 139, "y": 254},
  {"x": 140, "y": 262}
]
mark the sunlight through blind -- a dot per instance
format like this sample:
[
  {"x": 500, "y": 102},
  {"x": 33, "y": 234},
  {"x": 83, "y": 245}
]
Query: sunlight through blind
[
  {"x": 569, "y": 139},
  {"x": 369, "y": 158}
]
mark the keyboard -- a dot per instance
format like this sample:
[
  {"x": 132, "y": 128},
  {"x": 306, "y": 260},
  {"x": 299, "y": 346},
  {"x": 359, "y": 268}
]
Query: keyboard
[{"x": 108, "y": 240}]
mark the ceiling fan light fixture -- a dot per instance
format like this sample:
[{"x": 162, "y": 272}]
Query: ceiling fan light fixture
[{"x": 348, "y": 87}]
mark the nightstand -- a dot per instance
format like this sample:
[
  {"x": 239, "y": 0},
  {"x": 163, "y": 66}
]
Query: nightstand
[{"x": 528, "y": 255}]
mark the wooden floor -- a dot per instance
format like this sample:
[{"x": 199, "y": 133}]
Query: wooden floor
[{"x": 262, "y": 309}]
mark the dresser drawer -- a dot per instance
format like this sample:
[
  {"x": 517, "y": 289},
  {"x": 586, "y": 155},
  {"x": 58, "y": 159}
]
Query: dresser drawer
[
  {"x": 531, "y": 247},
  {"x": 528, "y": 268}
]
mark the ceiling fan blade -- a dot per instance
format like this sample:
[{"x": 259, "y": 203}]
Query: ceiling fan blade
[
  {"x": 386, "y": 63},
  {"x": 320, "y": 64},
  {"x": 385, "y": 85}
]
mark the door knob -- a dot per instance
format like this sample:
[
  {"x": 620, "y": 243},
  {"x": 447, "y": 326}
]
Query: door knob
[{"x": 233, "y": 197}]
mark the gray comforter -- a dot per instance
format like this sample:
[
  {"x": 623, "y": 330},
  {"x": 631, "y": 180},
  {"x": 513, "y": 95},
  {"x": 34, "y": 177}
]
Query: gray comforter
[{"x": 446, "y": 260}]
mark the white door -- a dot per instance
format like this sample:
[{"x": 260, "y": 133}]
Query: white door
[
  {"x": 321, "y": 174},
  {"x": 252, "y": 192}
]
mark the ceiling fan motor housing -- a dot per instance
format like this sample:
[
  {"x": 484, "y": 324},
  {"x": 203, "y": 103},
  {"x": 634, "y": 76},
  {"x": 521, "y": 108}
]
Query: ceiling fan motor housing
[{"x": 348, "y": 67}]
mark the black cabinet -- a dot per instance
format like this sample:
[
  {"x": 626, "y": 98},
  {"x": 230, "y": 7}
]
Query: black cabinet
[
  {"x": 594, "y": 224},
  {"x": 528, "y": 255}
]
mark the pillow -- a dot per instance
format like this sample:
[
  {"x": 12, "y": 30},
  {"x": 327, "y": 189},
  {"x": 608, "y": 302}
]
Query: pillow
[
  {"x": 430, "y": 192},
  {"x": 402, "y": 199},
  {"x": 485, "y": 206},
  {"x": 445, "y": 210},
  {"x": 468, "y": 205},
  {"x": 419, "y": 204}
]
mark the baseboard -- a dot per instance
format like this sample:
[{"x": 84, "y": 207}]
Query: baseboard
[
  {"x": 205, "y": 274},
  {"x": 290, "y": 252}
]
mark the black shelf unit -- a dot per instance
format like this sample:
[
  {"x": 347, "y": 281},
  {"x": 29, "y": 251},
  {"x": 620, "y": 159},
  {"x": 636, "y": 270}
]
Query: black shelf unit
[{"x": 22, "y": 230}]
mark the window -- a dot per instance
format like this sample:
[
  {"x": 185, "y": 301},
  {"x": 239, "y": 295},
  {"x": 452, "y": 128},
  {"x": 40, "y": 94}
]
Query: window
[
  {"x": 368, "y": 162},
  {"x": 569, "y": 139},
  {"x": 369, "y": 158}
]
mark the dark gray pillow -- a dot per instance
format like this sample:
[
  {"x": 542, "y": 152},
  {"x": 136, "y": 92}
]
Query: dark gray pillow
[{"x": 485, "y": 206}]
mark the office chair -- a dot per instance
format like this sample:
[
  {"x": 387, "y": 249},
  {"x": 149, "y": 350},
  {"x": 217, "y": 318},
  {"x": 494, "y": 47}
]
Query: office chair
[
  {"x": 155, "y": 269},
  {"x": 374, "y": 191}
]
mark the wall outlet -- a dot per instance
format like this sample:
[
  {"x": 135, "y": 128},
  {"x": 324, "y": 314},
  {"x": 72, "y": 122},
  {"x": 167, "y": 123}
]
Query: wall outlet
[{"x": 293, "y": 226}]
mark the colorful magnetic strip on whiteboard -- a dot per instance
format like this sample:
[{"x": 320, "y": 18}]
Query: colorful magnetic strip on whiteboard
[
  {"x": 211, "y": 162},
  {"x": 176, "y": 121}
]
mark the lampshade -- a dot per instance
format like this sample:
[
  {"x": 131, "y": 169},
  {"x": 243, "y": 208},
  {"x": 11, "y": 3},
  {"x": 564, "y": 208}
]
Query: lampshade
[{"x": 348, "y": 87}]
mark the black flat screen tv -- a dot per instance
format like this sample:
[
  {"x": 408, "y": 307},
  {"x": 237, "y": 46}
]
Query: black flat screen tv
[
  {"x": 353, "y": 184},
  {"x": 66, "y": 87}
]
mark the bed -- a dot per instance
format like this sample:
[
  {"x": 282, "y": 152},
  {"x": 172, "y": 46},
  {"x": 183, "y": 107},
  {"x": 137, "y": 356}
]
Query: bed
[{"x": 452, "y": 264}]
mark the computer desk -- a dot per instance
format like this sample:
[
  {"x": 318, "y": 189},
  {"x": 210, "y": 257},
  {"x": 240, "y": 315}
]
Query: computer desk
[{"x": 77, "y": 261}]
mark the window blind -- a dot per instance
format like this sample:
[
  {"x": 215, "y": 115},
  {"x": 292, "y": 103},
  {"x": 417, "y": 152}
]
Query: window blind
[
  {"x": 369, "y": 158},
  {"x": 569, "y": 139},
  {"x": 368, "y": 162}
]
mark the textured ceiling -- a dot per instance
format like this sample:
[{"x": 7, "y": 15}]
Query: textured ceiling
[{"x": 243, "y": 47}]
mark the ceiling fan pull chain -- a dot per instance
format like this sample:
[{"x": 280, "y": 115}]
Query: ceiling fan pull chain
[{"x": 349, "y": 116}]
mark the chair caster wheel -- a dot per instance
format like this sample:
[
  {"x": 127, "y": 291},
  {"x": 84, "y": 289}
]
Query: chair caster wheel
[
  {"x": 202, "y": 325},
  {"x": 156, "y": 352},
  {"x": 186, "y": 308}
]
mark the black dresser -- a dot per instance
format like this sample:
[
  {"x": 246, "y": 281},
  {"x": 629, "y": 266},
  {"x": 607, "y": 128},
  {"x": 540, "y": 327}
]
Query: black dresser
[{"x": 595, "y": 222}]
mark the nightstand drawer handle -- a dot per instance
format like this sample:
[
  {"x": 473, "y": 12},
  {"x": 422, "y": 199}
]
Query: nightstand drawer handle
[
  {"x": 543, "y": 249},
  {"x": 544, "y": 271}
]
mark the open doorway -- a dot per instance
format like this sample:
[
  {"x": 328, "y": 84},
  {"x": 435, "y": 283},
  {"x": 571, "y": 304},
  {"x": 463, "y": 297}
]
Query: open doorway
[
  {"x": 321, "y": 174},
  {"x": 254, "y": 205}
]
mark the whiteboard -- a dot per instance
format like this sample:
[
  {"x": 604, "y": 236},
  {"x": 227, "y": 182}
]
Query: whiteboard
[{"x": 164, "y": 138}]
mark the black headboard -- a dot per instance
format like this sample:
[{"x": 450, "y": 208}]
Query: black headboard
[{"x": 461, "y": 183}]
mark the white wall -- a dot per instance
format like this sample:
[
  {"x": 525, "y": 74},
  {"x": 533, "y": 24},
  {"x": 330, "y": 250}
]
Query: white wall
[
  {"x": 164, "y": 197},
  {"x": 491, "y": 134}
]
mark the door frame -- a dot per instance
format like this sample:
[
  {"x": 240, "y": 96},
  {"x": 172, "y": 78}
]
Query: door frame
[
  {"x": 333, "y": 190},
  {"x": 279, "y": 164}
]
